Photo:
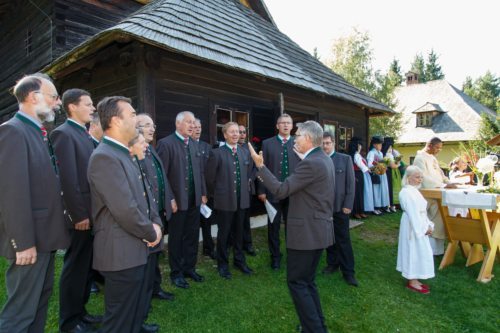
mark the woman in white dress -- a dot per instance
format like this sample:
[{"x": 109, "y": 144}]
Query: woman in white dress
[
  {"x": 415, "y": 260},
  {"x": 381, "y": 190}
]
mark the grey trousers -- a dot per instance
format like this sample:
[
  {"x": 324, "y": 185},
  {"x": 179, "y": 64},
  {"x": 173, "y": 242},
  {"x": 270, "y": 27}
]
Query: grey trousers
[{"x": 28, "y": 291}]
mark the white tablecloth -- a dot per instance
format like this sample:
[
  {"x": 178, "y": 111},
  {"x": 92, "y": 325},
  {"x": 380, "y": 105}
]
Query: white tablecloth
[{"x": 469, "y": 198}]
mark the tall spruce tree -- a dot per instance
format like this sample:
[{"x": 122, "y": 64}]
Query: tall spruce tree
[
  {"x": 432, "y": 68},
  {"x": 418, "y": 66}
]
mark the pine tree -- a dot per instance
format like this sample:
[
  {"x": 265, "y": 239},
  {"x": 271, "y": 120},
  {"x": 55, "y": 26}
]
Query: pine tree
[
  {"x": 432, "y": 68},
  {"x": 418, "y": 66}
]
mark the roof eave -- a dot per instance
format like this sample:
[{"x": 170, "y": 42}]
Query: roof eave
[{"x": 97, "y": 42}]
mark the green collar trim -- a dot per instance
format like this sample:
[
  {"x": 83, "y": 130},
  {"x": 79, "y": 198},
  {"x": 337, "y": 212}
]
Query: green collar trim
[
  {"x": 28, "y": 121},
  {"x": 116, "y": 146},
  {"x": 76, "y": 125}
]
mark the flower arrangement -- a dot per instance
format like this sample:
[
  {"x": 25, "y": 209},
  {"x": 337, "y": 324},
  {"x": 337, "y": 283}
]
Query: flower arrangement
[{"x": 379, "y": 168}]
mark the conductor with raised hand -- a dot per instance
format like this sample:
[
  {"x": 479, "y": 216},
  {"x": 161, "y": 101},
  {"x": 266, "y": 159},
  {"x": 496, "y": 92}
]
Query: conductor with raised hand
[{"x": 310, "y": 226}]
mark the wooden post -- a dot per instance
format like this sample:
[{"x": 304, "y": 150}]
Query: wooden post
[{"x": 146, "y": 61}]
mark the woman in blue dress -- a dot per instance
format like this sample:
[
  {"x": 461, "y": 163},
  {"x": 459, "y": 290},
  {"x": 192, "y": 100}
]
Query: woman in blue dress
[
  {"x": 360, "y": 168},
  {"x": 381, "y": 190}
]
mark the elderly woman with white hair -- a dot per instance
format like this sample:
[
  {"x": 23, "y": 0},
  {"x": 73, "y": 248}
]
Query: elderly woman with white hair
[{"x": 415, "y": 260}]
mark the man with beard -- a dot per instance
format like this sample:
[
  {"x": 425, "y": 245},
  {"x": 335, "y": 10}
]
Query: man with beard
[
  {"x": 73, "y": 147},
  {"x": 31, "y": 214}
]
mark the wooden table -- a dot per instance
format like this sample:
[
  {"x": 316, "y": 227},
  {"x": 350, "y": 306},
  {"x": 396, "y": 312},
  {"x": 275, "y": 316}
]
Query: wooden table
[{"x": 481, "y": 228}]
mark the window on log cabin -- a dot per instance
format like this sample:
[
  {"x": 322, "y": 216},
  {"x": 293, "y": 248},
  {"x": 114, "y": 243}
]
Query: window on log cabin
[
  {"x": 225, "y": 115},
  {"x": 28, "y": 42}
]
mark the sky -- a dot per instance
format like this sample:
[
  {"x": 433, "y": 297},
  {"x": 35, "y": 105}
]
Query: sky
[{"x": 464, "y": 34}]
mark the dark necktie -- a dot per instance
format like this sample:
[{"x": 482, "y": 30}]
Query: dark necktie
[
  {"x": 284, "y": 161},
  {"x": 53, "y": 158}
]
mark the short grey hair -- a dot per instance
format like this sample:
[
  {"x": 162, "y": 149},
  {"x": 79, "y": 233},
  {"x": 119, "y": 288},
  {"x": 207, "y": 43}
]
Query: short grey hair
[
  {"x": 197, "y": 120},
  {"x": 180, "y": 116},
  {"x": 410, "y": 171},
  {"x": 313, "y": 130}
]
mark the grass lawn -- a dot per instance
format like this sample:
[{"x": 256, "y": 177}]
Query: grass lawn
[{"x": 261, "y": 303}]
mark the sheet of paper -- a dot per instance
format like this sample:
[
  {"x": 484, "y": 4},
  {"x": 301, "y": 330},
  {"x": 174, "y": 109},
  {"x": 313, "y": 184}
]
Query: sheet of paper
[
  {"x": 205, "y": 211},
  {"x": 271, "y": 211}
]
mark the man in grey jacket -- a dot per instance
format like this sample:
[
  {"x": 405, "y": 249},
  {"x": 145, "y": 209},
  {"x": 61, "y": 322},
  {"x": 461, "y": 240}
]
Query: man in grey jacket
[
  {"x": 32, "y": 225},
  {"x": 125, "y": 224},
  {"x": 340, "y": 254},
  {"x": 310, "y": 225},
  {"x": 73, "y": 146}
]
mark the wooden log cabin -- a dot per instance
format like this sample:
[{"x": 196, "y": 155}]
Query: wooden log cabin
[{"x": 221, "y": 59}]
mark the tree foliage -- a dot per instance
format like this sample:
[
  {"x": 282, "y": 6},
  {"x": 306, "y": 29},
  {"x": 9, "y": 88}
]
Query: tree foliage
[
  {"x": 432, "y": 68},
  {"x": 418, "y": 66},
  {"x": 427, "y": 70},
  {"x": 352, "y": 59},
  {"x": 485, "y": 89},
  {"x": 316, "y": 54}
]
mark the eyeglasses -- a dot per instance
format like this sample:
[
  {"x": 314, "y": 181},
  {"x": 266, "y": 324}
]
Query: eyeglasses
[
  {"x": 243, "y": 132},
  {"x": 153, "y": 126},
  {"x": 285, "y": 123},
  {"x": 55, "y": 97}
]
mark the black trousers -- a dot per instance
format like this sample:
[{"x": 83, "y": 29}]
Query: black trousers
[
  {"x": 183, "y": 235},
  {"x": 273, "y": 229},
  {"x": 157, "y": 276},
  {"x": 123, "y": 299},
  {"x": 358, "y": 207},
  {"x": 76, "y": 279},
  {"x": 247, "y": 231},
  {"x": 301, "y": 273},
  {"x": 340, "y": 254},
  {"x": 230, "y": 223},
  {"x": 28, "y": 291},
  {"x": 389, "y": 184},
  {"x": 148, "y": 286}
]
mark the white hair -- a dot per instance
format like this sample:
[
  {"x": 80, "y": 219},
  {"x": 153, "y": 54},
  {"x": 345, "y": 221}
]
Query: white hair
[
  {"x": 181, "y": 115},
  {"x": 313, "y": 130},
  {"x": 410, "y": 170}
]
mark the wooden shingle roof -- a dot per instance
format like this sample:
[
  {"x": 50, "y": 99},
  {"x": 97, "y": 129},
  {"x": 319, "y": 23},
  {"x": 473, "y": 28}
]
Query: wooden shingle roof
[
  {"x": 229, "y": 34},
  {"x": 429, "y": 107},
  {"x": 460, "y": 120}
]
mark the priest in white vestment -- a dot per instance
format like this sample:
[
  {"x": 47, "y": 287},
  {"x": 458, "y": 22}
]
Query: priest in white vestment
[
  {"x": 415, "y": 260},
  {"x": 434, "y": 177}
]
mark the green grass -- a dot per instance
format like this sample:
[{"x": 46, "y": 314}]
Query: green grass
[{"x": 261, "y": 303}]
